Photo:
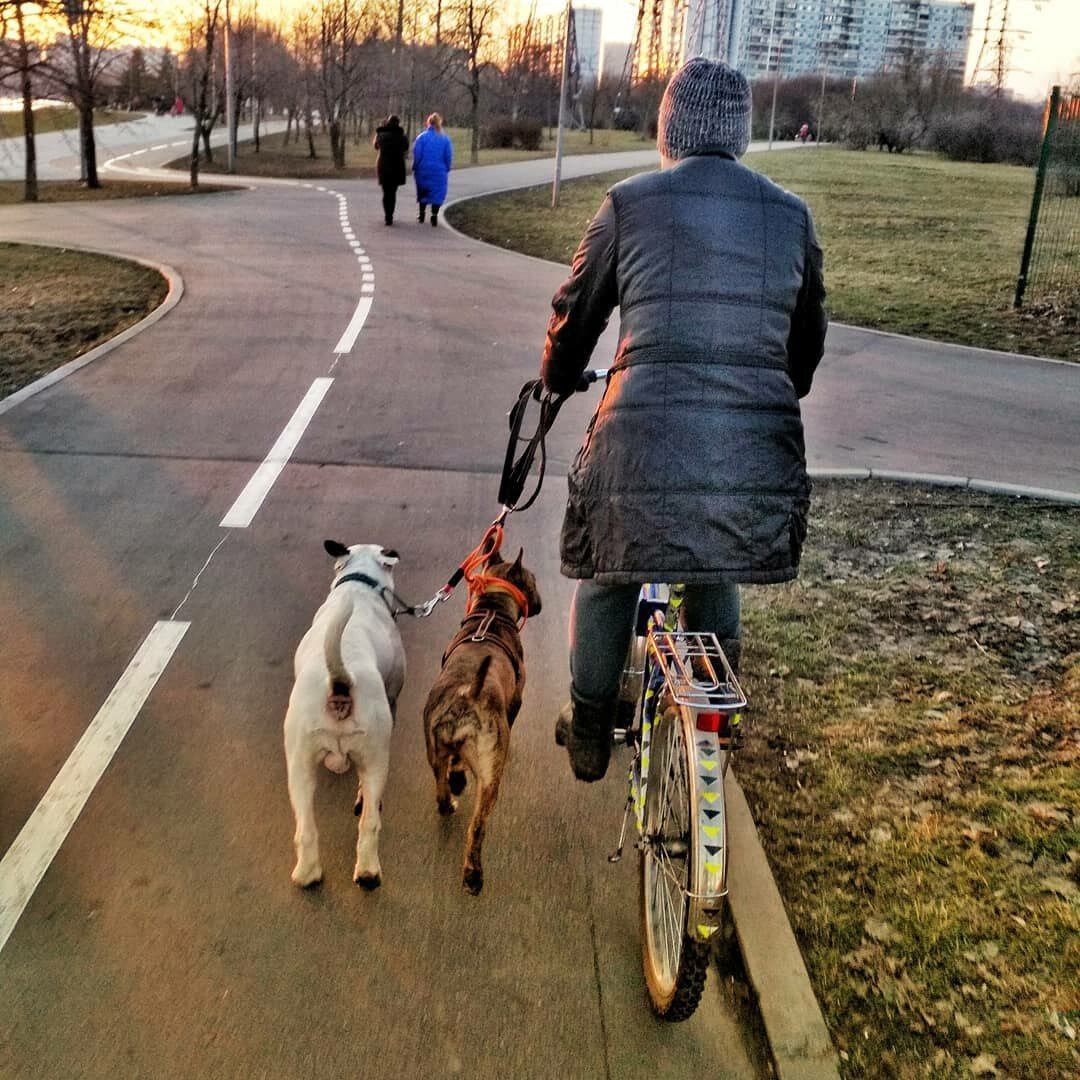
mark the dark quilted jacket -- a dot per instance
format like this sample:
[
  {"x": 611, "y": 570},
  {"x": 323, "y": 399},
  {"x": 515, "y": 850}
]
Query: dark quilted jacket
[{"x": 693, "y": 468}]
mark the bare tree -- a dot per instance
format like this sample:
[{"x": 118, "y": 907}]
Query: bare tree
[
  {"x": 92, "y": 31},
  {"x": 19, "y": 56},
  {"x": 200, "y": 62},
  {"x": 470, "y": 32}
]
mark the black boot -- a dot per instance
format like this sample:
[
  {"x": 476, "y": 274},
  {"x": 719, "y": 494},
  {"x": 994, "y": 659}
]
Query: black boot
[
  {"x": 586, "y": 730},
  {"x": 423, "y": 213},
  {"x": 434, "y": 216}
]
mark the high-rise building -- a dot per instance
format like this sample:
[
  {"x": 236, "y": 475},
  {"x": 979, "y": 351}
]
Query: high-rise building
[
  {"x": 589, "y": 27},
  {"x": 845, "y": 37},
  {"x": 614, "y": 62}
]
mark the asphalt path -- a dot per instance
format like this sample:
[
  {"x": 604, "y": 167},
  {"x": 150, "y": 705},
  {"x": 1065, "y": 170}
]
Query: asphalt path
[
  {"x": 145, "y": 140},
  {"x": 165, "y": 938}
]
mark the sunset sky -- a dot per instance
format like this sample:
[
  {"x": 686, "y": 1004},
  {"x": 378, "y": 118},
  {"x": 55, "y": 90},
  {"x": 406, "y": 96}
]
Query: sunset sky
[{"x": 1049, "y": 52}]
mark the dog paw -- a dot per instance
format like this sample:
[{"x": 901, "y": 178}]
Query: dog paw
[
  {"x": 447, "y": 806},
  {"x": 368, "y": 881},
  {"x": 307, "y": 875},
  {"x": 457, "y": 782},
  {"x": 473, "y": 880}
]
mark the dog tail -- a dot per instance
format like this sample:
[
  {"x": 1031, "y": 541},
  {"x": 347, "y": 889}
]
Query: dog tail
[
  {"x": 481, "y": 675},
  {"x": 335, "y": 665}
]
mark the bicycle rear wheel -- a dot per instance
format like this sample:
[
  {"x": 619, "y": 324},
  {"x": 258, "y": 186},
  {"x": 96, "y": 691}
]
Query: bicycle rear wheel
[{"x": 675, "y": 964}]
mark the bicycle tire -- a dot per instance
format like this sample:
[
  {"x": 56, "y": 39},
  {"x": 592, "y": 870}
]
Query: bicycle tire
[{"x": 674, "y": 963}]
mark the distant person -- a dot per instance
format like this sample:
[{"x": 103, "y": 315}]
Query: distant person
[
  {"x": 392, "y": 144},
  {"x": 432, "y": 159},
  {"x": 178, "y": 106},
  {"x": 804, "y": 132}
]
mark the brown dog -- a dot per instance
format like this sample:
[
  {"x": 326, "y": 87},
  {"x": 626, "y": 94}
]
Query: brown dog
[{"x": 476, "y": 698}]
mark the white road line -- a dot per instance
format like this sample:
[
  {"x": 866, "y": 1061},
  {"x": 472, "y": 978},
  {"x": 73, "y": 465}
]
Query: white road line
[
  {"x": 320, "y": 188},
  {"x": 40, "y": 838},
  {"x": 250, "y": 499},
  {"x": 367, "y": 287},
  {"x": 136, "y": 153},
  {"x": 356, "y": 245},
  {"x": 179, "y": 144},
  {"x": 367, "y": 277},
  {"x": 356, "y": 324},
  {"x": 160, "y": 146}
]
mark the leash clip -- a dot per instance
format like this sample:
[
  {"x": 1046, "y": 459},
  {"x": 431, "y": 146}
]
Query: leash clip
[{"x": 422, "y": 611}]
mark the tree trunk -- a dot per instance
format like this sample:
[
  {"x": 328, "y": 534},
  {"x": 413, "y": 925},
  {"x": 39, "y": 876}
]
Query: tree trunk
[
  {"x": 86, "y": 142},
  {"x": 208, "y": 152},
  {"x": 474, "y": 119},
  {"x": 195, "y": 154},
  {"x": 256, "y": 117},
  {"x": 30, "y": 189},
  {"x": 310, "y": 133},
  {"x": 337, "y": 144}
]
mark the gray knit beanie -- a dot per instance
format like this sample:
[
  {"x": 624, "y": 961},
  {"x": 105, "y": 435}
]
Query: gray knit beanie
[{"x": 706, "y": 109}]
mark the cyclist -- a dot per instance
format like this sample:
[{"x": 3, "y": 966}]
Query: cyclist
[{"x": 693, "y": 468}]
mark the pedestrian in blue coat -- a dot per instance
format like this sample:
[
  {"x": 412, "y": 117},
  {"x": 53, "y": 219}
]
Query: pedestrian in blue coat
[{"x": 433, "y": 156}]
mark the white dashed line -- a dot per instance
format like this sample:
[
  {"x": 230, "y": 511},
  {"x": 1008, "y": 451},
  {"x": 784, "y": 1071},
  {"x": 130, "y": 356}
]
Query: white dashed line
[
  {"x": 367, "y": 287},
  {"x": 26, "y": 861},
  {"x": 320, "y": 189},
  {"x": 178, "y": 144},
  {"x": 160, "y": 146},
  {"x": 136, "y": 153},
  {"x": 356, "y": 324},
  {"x": 247, "y": 504}
]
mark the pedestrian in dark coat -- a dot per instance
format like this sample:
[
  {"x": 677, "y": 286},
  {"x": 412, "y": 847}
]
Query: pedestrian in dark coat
[
  {"x": 433, "y": 157},
  {"x": 693, "y": 468},
  {"x": 393, "y": 145}
]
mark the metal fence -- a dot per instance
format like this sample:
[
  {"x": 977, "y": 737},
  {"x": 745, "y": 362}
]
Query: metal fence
[{"x": 1050, "y": 266}]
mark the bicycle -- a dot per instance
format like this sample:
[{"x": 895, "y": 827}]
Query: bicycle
[{"x": 683, "y": 704}]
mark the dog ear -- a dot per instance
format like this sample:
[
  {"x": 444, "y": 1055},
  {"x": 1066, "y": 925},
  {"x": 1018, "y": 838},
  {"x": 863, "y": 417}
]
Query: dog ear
[
  {"x": 517, "y": 561},
  {"x": 388, "y": 557},
  {"x": 335, "y": 549}
]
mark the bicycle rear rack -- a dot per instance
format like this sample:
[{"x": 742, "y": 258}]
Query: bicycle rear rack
[{"x": 696, "y": 671}]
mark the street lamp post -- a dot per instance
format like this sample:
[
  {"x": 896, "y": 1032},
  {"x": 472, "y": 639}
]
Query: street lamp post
[
  {"x": 230, "y": 144},
  {"x": 768, "y": 67},
  {"x": 562, "y": 108}
]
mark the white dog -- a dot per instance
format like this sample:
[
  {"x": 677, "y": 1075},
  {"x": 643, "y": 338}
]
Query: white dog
[{"x": 350, "y": 667}]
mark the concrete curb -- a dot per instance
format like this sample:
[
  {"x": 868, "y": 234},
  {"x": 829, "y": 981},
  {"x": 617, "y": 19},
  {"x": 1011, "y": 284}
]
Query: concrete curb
[
  {"x": 798, "y": 1039},
  {"x": 172, "y": 298},
  {"x": 971, "y": 483}
]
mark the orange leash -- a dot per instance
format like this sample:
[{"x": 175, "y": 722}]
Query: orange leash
[{"x": 478, "y": 582}]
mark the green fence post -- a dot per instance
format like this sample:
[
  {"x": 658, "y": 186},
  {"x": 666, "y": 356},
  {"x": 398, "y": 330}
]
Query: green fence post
[{"x": 1036, "y": 198}]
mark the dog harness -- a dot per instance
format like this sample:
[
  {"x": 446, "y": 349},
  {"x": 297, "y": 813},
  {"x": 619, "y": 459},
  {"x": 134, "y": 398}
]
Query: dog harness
[
  {"x": 372, "y": 584},
  {"x": 493, "y": 627}
]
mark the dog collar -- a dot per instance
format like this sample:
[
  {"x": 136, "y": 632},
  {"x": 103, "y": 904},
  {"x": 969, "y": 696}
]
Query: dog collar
[{"x": 371, "y": 583}]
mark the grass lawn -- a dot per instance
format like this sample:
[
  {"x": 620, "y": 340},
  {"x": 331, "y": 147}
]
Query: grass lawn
[
  {"x": 276, "y": 158},
  {"x": 50, "y": 191},
  {"x": 58, "y": 118},
  {"x": 912, "y": 764},
  {"x": 55, "y": 305},
  {"x": 913, "y": 243}
]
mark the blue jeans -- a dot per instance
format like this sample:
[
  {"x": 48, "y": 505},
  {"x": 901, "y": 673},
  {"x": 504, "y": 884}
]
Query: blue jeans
[{"x": 602, "y": 623}]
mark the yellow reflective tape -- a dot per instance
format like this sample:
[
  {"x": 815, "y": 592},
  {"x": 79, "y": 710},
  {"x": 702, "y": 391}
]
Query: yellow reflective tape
[
  {"x": 708, "y": 764},
  {"x": 713, "y": 867},
  {"x": 710, "y": 796},
  {"x": 706, "y": 931},
  {"x": 710, "y": 830}
]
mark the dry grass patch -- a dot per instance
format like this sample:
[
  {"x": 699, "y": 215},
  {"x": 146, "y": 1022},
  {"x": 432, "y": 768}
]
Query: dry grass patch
[
  {"x": 52, "y": 191},
  {"x": 56, "y": 305},
  {"x": 913, "y": 243},
  {"x": 59, "y": 118},
  {"x": 912, "y": 765}
]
